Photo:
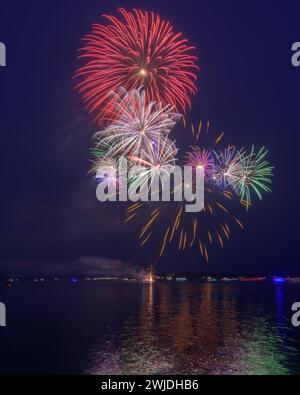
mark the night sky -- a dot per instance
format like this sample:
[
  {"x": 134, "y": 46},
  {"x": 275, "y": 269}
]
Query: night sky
[{"x": 248, "y": 89}]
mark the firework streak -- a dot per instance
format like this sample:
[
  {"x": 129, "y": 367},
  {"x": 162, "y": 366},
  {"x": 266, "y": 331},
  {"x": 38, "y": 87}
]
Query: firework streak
[{"x": 137, "y": 50}]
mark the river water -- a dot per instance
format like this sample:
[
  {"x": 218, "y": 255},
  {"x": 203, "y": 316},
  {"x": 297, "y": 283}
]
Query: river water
[{"x": 160, "y": 328}]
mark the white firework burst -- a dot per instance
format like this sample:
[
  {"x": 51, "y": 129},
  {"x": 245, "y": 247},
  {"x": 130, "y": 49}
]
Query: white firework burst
[
  {"x": 137, "y": 126},
  {"x": 228, "y": 167},
  {"x": 153, "y": 167}
]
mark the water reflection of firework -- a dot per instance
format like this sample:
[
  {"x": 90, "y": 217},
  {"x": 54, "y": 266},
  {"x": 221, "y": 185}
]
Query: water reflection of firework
[{"x": 195, "y": 328}]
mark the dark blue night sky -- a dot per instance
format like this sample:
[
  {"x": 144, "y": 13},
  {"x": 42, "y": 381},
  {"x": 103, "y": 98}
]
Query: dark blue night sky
[{"x": 248, "y": 89}]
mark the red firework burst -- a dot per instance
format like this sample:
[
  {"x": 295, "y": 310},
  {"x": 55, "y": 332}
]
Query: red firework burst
[{"x": 139, "y": 50}]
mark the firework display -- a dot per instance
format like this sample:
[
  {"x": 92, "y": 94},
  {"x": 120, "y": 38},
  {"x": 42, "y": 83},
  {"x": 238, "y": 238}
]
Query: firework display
[
  {"x": 138, "y": 126},
  {"x": 138, "y": 74},
  {"x": 149, "y": 170},
  {"x": 255, "y": 176},
  {"x": 228, "y": 167},
  {"x": 226, "y": 188},
  {"x": 139, "y": 49},
  {"x": 201, "y": 158},
  {"x": 185, "y": 230}
]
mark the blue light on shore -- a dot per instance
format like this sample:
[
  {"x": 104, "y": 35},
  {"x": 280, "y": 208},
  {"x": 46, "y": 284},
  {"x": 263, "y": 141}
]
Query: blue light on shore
[
  {"x": 74, "y": 280},
  {"x": 279, "y": 279}
]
